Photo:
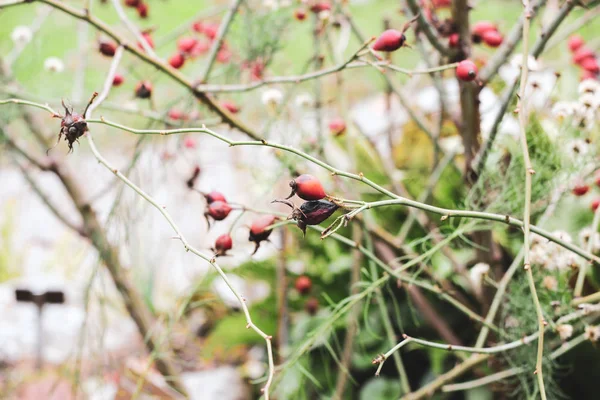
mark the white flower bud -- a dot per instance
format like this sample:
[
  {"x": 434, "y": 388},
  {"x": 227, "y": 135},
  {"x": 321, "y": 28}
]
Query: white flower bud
[
  {"x": 54, "y": 64},
  {"x": 272, "y": 98},
  {"x": 21, "y": 35},
  {"x": 565, "y": 331}
]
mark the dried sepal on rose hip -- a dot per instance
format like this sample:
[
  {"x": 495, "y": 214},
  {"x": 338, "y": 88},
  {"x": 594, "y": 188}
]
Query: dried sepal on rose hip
[
  {"x": 222, "y": 244},
  {"x": 258, "y": 230},
  {"x": 310, "y": 213},
  {"x": 73, "y": 125},
  {"x": 143, "y": 90}
]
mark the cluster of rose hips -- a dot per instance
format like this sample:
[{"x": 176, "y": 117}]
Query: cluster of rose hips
[
  {"x": 316, "y": 7},
  {"x": 466, "y": 70},
  {"x": 140, "y": 6},
  {"x": 315, "y": 209},
  {"x": 584, "y": 57},
  {"x": 581, "y": 189}
]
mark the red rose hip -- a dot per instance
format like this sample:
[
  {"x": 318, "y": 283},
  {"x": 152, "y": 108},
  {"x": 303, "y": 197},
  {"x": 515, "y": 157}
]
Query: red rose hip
[
  {"x": 219, "y": 210},
  {"x": 107, "y": 48},
  {"x": 186, "y": 44},
  {"x": 214, "y": 196},
  {"x": 118, "y": 80},
  {"x": 303, "y": 284},
  {"x": 222, "y": 244},
  {"x": 258, "y": 231},
  {"x": 466, "y": 70},
  {"x": 390, "y": 40},
  {"x": 177, "y": 60},
  {"x": 575, "y": 42},
  {"x": 307, "y": 187},
  {"x": 492, "y": 38},
  {"x": 580, "y": 189}
]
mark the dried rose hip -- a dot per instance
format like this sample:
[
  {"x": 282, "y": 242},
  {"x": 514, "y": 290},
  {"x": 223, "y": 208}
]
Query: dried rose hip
[{"x": 258, "y": 231}]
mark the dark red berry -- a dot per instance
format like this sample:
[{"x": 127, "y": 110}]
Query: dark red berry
[
  {"x": 580, "y": 189},
  {"x": 303, "y": 284},
  {"x": 492, "y": 38},
  {"x": 259, "y": 231},
  {"x": 390, "y": 40},
  {"x": 337, "y": 126},
  {"x": 466, "y": 70},
  {"x": 142, "y": 10},
  {"x": 300, "y": 14},
  {"x": 222, "y": 244},
  {"x": 132, "y": 3},
  {"x": 218, "y": 210},
  {"x": 230, "y": 106},
  {"x": 186, "y": 44},
  {"x": 575, "y": 42},
  {"x": 311, "y": 212},
  {"x": 307, "y": 187},
  {"x": 311, "y": 306},
  {"x": 582, "y": 54},
  {"x": 214, "y": 196},
  {"x": 107, "y": 48},
  {"x": 176, "y": 61},
  {"x": 118, "y": 80},
  {"x": 453, "y": 40},
  {"x": 143, "y": 90}
]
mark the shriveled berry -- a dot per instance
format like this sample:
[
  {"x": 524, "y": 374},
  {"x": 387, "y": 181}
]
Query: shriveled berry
[
  {"x": 107, "y": 48},
  {"x": 143, "y": 90},
  {"x": 303, "y": 284},
  {"x": 258, "y": 231},
  {"x": 73, "y": 125},
  {"x": 142, "y": 10},
  {"x": 177, "y": 60},
  {"x": 590, "y": 65},
  {"x": 581, "y": 54},
  {"x": 466, "y": 70},
  {"x": 218, "y": 210},
  {"x": 580, "y": 189},
  {"x": 390, "y": 40},
  {"x": 337, "y": 126},
  {"x": 230, "y": 106},
  {"x": 186, "y": 44},
  {"x": 492, "y": 38},
  {"x": 307, "y": 187},
  {"x": 595, "y": 204},
  {"x": 311, "y": 306},
  {"x": 222, "y": 244},
  {"x": 300, "y": 14},
  {"x": 453, "y": 40},
  {"x": 118, "y": 80},
  {"x": 214, "y": 196},
  {"x": 575, "y": 42}
]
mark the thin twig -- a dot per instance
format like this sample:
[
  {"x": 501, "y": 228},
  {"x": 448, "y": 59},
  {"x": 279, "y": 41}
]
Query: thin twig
[
  {"x": 133, "y": 29},
  {"x": 218, "y": 41},
  {"x": 583, "y": 265},
  {"x": 523, "y": 116}
]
